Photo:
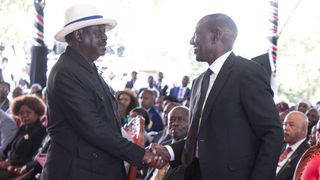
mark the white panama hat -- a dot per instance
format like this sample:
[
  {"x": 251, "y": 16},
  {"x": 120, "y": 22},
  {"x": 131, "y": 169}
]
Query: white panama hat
[{"x": 80, "y": 16}]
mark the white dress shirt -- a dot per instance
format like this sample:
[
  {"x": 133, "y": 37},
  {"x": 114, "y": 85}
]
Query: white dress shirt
[
  {"x": 215, "y": 67},
  {"x": 294, "y": 147}
]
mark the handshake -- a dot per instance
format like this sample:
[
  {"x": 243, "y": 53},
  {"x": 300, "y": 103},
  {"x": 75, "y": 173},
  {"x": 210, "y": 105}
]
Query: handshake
[{"x": 156, "y": 156}]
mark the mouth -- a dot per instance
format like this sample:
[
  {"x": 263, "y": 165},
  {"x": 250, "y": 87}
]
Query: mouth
[{"x": 195, "y": 49}]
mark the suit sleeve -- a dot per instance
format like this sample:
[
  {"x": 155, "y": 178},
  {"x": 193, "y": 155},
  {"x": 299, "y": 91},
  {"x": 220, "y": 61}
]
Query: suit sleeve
[
  {"x": 257, "y": 101},
  {"x": 8, "y": 131},
  {"x": 84, "y": 115},
  {"x": 177, "y": 149}
]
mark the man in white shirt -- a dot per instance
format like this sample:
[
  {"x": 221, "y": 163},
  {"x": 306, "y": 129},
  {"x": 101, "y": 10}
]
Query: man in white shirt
[
  {"x": 235, "y": 130},
  {"x": 295, "y": 128}
]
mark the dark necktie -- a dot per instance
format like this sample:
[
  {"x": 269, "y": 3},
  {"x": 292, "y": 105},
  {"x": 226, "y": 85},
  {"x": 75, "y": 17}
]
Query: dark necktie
[
  {"x": 284, "y": 154},
  {"x": 189, "y": 149}
]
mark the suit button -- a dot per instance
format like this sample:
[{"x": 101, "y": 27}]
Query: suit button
[{"x": 94, "y": 155}]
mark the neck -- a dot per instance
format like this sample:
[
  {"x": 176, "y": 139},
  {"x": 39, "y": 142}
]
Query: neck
[{"x": 82, "y": 51}]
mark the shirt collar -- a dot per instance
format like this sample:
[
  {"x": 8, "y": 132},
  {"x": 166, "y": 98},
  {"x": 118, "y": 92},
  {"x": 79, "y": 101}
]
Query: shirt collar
[
  {"x": 296, "y": 145},
  {"x": 217, "y": 64}
]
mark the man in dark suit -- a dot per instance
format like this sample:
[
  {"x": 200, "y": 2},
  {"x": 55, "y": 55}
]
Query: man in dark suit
[
  {"x": 177, "y": 126},
  {"x": 181, "y": 92},
  {"x": 295, "y": 133},
  {"x": 147, "y": 101},
  {"x": 130, "y": 84},
  {"x": 83, "y": 123},
  {"x": 235, "y": 131}
]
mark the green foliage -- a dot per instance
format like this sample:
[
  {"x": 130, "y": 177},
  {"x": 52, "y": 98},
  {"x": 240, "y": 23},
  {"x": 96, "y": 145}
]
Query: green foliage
[
  {"x": 298, "y": 67},
  {"x": 14, "y": 18}
]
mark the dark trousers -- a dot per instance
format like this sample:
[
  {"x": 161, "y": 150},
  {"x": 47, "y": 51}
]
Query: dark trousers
[{"x": 193, "y": 171}]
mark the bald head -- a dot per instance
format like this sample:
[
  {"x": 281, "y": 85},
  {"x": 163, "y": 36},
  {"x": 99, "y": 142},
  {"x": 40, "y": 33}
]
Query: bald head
[
  {"x": 295, "y": 127},
  {"x": 224, "y": 25},
  {"x": 178, "y": 122},
  {"x": 166, "y": 111},
  {"x": 215, "y": 35}
]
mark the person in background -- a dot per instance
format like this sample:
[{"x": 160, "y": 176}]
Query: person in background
[
  {"x": 147, "y": 100},
  {"x": 162, "y": 88},
  {"x": 181, "y": 92},
  {"x": 130, "y": 84},
  {"x": 164, "y": 134},
  {"x": 177, "y": 128},
  {"x": 313, "y": 136},
  {"x": 303, "y": 106},
  {"x": 151, "y": 87},
  {"x": 313, "y": 118},
  {"x": 4, "y": 92},
  {"x": 17, "y": 91},
  {"x": 295, "y": 133},
  {"x": 8, "y": 129},
  {"x": 36, "y": 89},
  {"x": 83, "y": 124},
  {"x": 29, "y": 109},
  {"x": 129, "y": 100},
  {"x": 308, "y": 166}
]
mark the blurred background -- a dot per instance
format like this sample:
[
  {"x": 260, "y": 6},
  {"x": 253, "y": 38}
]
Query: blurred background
[{"x": 153, "y": 36}]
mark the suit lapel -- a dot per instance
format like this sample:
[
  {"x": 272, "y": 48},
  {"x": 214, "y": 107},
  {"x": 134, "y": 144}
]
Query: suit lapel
[
  {"x": 106, "y": 95},
  {"x": 219, "y": 82},
  {"x": 300, "y": 150}
]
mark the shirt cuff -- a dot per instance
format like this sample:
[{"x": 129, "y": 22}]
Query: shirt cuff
[{"x": 170, "y": 150}]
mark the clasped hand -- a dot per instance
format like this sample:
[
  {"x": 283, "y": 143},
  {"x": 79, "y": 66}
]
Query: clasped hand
[{"x": 156, "y": 156}]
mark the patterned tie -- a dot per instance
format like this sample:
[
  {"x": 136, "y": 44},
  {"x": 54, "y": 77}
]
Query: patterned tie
[
  {"x": 189, "y": 149},
  {"x": 161, "y": 172},
  {"x": 284, "y": 154}
]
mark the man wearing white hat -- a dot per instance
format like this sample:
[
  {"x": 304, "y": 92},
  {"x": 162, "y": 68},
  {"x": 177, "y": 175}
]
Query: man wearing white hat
[{"x": 82, "y": 121}]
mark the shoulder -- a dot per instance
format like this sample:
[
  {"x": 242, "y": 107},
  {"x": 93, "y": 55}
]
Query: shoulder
[{"x": 249, "y": 68}]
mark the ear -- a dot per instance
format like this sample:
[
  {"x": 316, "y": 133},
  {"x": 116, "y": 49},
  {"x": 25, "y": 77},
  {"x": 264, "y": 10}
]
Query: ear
[
  {"x": 216, "y": 35},
  {"x": 78, "y": 34}
]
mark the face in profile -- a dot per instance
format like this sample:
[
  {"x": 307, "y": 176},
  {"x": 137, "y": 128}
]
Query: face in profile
[
  {"x": 94, "y": 41},
  {"x": 202, "y": 42}
]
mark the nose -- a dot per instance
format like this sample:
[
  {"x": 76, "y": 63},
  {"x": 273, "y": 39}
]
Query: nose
[
  {"x": 192, "y": 40},
  {"x": 285, "y": 127},
  {"x": 104, "y": 36}
]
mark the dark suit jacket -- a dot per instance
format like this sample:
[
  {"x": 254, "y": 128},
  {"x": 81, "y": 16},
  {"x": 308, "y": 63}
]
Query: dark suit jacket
[
  {"x": 157, "y": 124},
  {"x": 175, "y": 92},
  {"x": 129, "y": 84},
  {"x": 151, "y": 170},
  {"x": 240, "y": 135},
  {"x": 287, "y": 170},
  {"x": 83, "y": 125},
  {"x": 25, "y": 144}
]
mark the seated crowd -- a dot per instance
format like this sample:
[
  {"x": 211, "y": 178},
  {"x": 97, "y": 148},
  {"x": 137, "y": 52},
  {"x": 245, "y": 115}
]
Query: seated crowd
[{"x": 24, "y": 140}]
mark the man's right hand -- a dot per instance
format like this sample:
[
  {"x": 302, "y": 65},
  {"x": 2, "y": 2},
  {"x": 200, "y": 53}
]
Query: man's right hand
[{"x": 156, "y": 156}]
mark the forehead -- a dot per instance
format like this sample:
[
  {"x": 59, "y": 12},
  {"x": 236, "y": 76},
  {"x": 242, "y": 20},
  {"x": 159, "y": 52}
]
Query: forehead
[
  {"x": 124, "y": 95},
  {"x": 202, "y": 24},
  {"x": 25, "y": 108},
  {"x": 312, "y": 111},
  {"x": 302, "y": 104},
  {"x": 296, "y": 118},
  {"x": 4, "y": 85},
  {"x": 176, "y": 113},
  {"x": 101, "y": 27},
  {"x": 147, "y": 94}
]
